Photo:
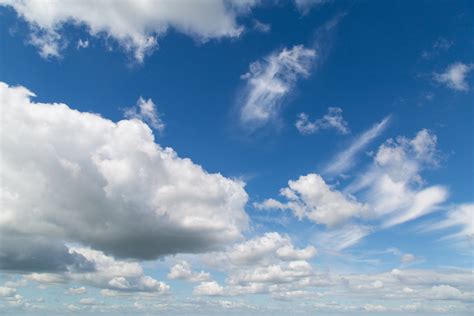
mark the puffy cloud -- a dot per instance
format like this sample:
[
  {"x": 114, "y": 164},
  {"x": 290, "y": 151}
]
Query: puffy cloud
[
  {"x": 209, "y": 288},
  {"x": 454, "y": 76},
  {"x": 24, "y": 253},
  {"x": 266, "y": 249},
  {"x": 76, "y": 290},
  {"x": 269, "y": 263},
  {"x": 393, "y": 185},
  {"x": 135, "y": 25},
  {"x": 310, "y": 197},
  {"x": 183, "y": 271},
  {"x": 333, "y": 119},
  {"x": 109, "y": 273},
  {"x": 7, "y": 291},
  {"x": 78, "y": 177},
  {"x": 145, "y": 110},
  {"x": 346, "y": 159},
  {"x": 270, "y": 81},
  {"x": 407, "y": 258},
  {"x": 447, "y": 292}
]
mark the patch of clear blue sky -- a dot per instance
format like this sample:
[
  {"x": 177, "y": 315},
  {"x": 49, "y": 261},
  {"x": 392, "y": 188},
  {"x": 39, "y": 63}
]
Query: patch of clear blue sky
[{"x": 374, "y": 68}]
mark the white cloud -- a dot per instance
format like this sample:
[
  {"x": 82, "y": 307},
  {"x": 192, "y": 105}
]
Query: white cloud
[
  {"x": 461, "y": 217},
  {"x": 310, "y": 197},
  {"x": 407, "y": 258},
  {"x": 82, "y": 44},
  {"x": 145, "y": 110},
  {"x": 346, "y": 159},
  {"x": 75, "y": 176},
  {"x": 342, "y": 237},
  {"x": 440, "y": 45},
  {"x": 76, "y": 290},
  {"x": 108, "y": 273},
  {"x": 135, "y": 25},
  {"x": 210, "y": 288},
  {"x": 333, "y": 119},
  {"x": 7, "y": 291},
  {"x": 183, "y": 271},
  {"x": 270, "y": 81},
  {"x": 393, "y": 186},
  {"x": 304, "y": 6},
  {"x": 262, "y": 250},
  {"x": 455, "y": 76}
]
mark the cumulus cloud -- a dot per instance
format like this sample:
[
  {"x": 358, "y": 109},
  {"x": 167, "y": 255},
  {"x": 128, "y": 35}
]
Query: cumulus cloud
[
  {"x": 76, "y": 290},
  {"x": 271, "y": 80},
  {"x": 134, "y": 25},
  {"x": 78, "y": 177},
  {"x": 332, "y": 120},
  {"x": 209, "y": 288},
  {"x": 24, "y": 253},
  {"x": 145, "y": 110},
  {"x": 455, "y": 76},
  {"x": 183, "y": 271},
  {"x": 109, "y": 273},
  {"x": 310, "y": 197},
  {"x": 390, "y": 192},
  {"x": 346, "y": 159},
  {"x": 393, "y": 185},
  {"x": 259, "y": 265}
]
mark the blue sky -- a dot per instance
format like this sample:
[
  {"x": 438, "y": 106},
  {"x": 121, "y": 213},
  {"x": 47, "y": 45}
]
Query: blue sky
[{"x": 246, "y": 157}]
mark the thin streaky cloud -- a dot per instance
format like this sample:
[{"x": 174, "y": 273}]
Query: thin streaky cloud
[{"x": 346, "y": 159}]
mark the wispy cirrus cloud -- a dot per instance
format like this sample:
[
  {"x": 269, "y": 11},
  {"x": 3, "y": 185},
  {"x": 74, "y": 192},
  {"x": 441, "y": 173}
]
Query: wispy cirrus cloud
[
  {"x": 270, "y": 80},
  {"x": 346, "y": 159}
]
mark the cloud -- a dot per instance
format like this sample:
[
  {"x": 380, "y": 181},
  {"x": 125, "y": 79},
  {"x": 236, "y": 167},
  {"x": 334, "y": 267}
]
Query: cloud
[
  {"x": 271, "y": 80},
  {"x": 440, "y": 45},
  {"x": 455, "y": 76},
  {"x": 304, "y": 6},
  {"x": 268, "y": 248},
  {"x": 183, "y": 271},
  {"x": 346, "y": 159},
  {"x": 310, "y": 197},
  {"x": 23, "y": 253},
  {"x": 260, "y": 265},
  {"x": 390, "y": 192},
  {"x": 461, "y": 217},
  {"x": 109, "y": 273},
  {"x": 333, "y": 119},
  {"x": 7, "y": 291},
  {"x": 76, "y": 290},
  {"x": 343, "y": 237},
  {"x": 77, "y": 177},
  {"x": 146, "y": 111},
  {"x": 135, "y": 26},
  {"x": 209, "y": 288},
  {"x": 393, "y": 186}
]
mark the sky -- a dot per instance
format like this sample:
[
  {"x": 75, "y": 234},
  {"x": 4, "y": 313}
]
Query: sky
[{"x": 236, "y": 157}]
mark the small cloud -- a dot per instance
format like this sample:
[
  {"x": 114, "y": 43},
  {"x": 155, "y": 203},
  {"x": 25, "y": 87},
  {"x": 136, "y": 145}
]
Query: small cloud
[
  {"x": 440, "y": 45},
  {"x": 305, "y": 6},
  {"x": 261, "y": 27},
  {"x": 454, "y": 76},
  {"x": 145, "y": 110},
  {"x": 332, "y": 120},
  {"x": 82, "y": 44}
]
